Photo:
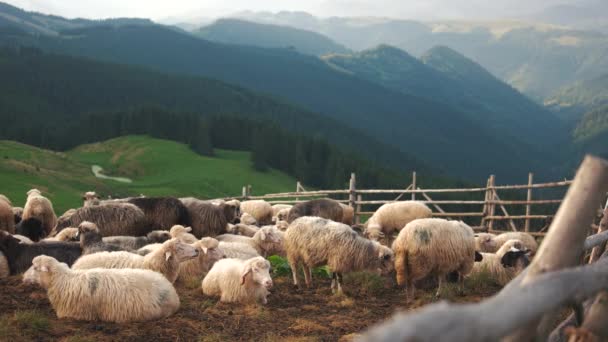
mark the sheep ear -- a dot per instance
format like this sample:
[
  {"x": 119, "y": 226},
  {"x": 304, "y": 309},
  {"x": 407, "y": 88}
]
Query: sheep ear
[
  {"x": 167, "y": 255},
  {"x": 204, "y": 250},
  {"x": 246, "y": 271},
  {"x": 263, "y": 235}
]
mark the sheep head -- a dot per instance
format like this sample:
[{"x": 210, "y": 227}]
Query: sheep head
[
  {"x": 484, "y": 242},
  {"x": 179, "y": 250},
  {"x": 42, "y": 269},
  {"x": 90, "y": 198},
  {"x": 258, "y": 271},
  {"x": 158, "y": 236},
  {"x": 386, "y": 258},
  {"x": 34, "y": 192}
]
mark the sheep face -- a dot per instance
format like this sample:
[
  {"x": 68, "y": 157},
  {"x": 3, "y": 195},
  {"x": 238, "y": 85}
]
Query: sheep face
[
  {"x": 386, "y": 259},
  {"x": 485, "y": 242},
  {"x": 158, "y": 236},
  {"x": 88, "y": 233},
  {"x": 90, "y": 198},
  {"x": 40, "y": 272},
  {"x": 515, "y": 258},
  {"x": 180, "y": 251},
  {"x": 374, "y": 232},
  {"x": 34, "y": 192},
  {"x": 231, "y": 213},
  {"x": 258, "y": 271},
  {"x": 248, "y": 219},
  {"x": 208, "y": 248},
  {"x": 236, "y": 205}
]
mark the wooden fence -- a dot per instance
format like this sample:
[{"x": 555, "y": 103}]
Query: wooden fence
[{"x": 483, "y": 208}]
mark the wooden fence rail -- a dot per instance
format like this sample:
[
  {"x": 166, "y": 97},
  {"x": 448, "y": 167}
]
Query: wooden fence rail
[{"x": 489, "y": 207}]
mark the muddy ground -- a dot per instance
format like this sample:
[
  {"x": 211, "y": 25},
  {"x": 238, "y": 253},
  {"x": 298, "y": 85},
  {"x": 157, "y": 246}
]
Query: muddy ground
[{"x": 291, "y": 314}]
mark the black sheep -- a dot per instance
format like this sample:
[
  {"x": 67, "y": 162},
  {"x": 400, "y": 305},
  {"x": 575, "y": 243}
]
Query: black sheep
[
  {"x": 31, "y": 228},
  {"x": 162, "y": 213}
]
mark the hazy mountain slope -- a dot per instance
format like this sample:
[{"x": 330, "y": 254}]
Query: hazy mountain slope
[
  {"x": 233, "y": 31},
  {"x": 573, "y": 101}
]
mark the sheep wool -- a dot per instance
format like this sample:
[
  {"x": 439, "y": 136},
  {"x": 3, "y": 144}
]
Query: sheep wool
[
  {"x": 323, "y": 207},
  {"x": 433, "y": 247},
  {"x": 484, "y": 242},
  {"x": 39, "y": 207},
  {"x": 238, "y": 250},
  {"x": 208, "y": 219},
  {"x": 165, "y": 259},
  {"x": 182, "y": 234},
  {"x": 498, "y": 268},
  {"x": 392, "y": 217},
  {"x": 7, "y": 218},
  {"x": 209, "y": 254},
  {"x": 240, "y": 281},
  {"x": 112, "y": 219},
  {"x": 527, "y": 239},
  {"x": 4, "y": 269},
  {"x": 260, "y": 210},
  {"x": 104, "y": 295},
  {"x": 348, "y": 214},
  {"x": 267, "y": 240}
]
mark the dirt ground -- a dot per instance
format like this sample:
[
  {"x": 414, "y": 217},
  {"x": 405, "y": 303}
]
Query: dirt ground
[{"x": 291, "y": 314}]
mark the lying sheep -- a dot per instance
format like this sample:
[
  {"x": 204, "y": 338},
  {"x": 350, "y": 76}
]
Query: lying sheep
[
  {"x": 112, "y": 219},
  {"x": 510, "y": 260},
  {"x": 91, "y": 240},
  {"x": 248, "y": 219},
  {"x": 282, "y": 215},
  {"x": 433, "y": 247},
  {"x": 260, "y": 210},
  {"x": 484, "y": 242},
  {"x": 7, "y": 218},
  {"x": 17, "y": 214},
  {"x": 67, "y": 234},
  {"x": 527, "y": 239},
  {"x": 348, "y": 214},
  {"x": 238, "y": 250},
  {"x": 162, "y": 212},
  {"x": 182, "y": 234},
  {"x": 209, "y": 254},
  {"x": 164, "y": 260},
  {"x": 239, "y": 281},
  {"x": 20, "y": 255},
  {"x": 392, "y": 217},
  {"x": 324, "y": 207},
  {"x": 40, "y": 207},
  {"x": 243, "y": 229},
  {"x": 315, "y": 241},
  {"x": 90, "y": 198},
  {"x": 106, "y": 295},
  {"x": 131, "y": 243},
  {"x": 282, "y": 225},
  {"x": 208, "y": 219},
  {"x": 266, "y": 241},
  {"x": 32, "y": 228}
]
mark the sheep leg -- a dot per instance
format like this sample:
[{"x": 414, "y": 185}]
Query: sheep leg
[
  {"x": 294, "y": 271},
  {"x": 439, "y": 286},
  {"x": 339, "y": 281},
  {"x": 308, "y": 276},
  {"x": 333, "y": 281},
  {"x": 409, "y": 290},
  {"x": 461, "y": 283}
]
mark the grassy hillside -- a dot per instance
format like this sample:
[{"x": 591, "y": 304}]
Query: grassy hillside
[
  {"x": 156, "y": 167},
  {"x": 573, "y": 101}
]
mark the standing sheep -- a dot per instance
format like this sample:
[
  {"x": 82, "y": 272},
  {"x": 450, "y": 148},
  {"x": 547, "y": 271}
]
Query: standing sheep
[
  {"x": 436, "y": 247},
  {"x": 107, "y": 295},
  {"x": 209, "y": 219},
  {"x": 239, "y": 281},
  {"x": 324, "y": 207},
  {"x": 40, "y": 207},
  {"x": 209, "y": 254},
  {"x": 111, "y": 218},
  {"x": 392, "y": 217},
  {"x": 259, "y": 209},
  {"x": 266, "y": 241},
  {"x": 164, "y": 260},
  {"x": 315, "y": 241},
  {"x": 7, "y": 218},
  {"x": 162, "y": 212},
  {"x": 182, "y": 234},
  {"x": 20, "y": 255},
  {"x": 505, "y": 264}
]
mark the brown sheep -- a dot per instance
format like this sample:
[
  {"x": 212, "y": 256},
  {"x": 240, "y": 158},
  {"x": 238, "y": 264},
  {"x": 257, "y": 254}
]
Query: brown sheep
[
  {"x": 208, "y": 219},
  {"x": 324, "y": 207}
]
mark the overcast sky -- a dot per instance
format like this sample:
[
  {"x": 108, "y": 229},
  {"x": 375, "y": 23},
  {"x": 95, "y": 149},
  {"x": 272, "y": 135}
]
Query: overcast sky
[{"x": 413, "y": 9}]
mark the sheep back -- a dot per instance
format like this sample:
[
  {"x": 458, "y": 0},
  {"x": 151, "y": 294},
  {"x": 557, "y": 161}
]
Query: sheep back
[
  {"x": 324, "y": 207},
  {"x": 41, "y": 208},
  {"x": 527, "y": 239},
  {"x": 162, "y": 212},
  {"x": 111, "y": 219},
  {"x": 433, "y": 246},
  {"x": 259, "y": 209},
  {"x": 394, "y": 216},
  {"x": 20, "y": 255},
  {"x": 208, "y": 219}
]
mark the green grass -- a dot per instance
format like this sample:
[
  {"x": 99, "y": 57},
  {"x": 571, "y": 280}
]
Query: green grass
[{"x": 157, "y": 168}]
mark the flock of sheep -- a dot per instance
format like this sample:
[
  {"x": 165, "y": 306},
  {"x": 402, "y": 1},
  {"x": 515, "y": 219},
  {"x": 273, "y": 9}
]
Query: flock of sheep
[{"x": 117, "y": 260}]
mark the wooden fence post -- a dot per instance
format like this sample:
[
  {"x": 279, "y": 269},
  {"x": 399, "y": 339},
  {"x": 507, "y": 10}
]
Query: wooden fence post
[
  {"x": 358, "y": 210},
  {"x": 528, "y": 199},
  {"x": 248, "y": 190},
  {"x": 486, "y": 209},
  {"x": 491, "y": 206},
  {"x": 352, "y": 196},
  {"x": 244, "y": 192},
  {"x": 298, "y": 187},
  {"x": 414, "y": 185}
]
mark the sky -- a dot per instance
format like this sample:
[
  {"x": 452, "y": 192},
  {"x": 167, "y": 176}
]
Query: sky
[{"x": 410, "y": 9}]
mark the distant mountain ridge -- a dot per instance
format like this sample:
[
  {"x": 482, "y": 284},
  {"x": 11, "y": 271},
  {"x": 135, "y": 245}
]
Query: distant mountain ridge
[{"x": 241, "y": 32}]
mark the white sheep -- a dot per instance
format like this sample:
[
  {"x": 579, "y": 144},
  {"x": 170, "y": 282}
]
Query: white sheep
[
  {"x": 39, "y": 207},
  {"x": 240, "y": 281},
  {"x": 280, "y": 212},
  {"x": 259, "y": 209},
  {"x": 490, "y": 243},
  {"x": 242, "y": 229},
  {"x": 209, "y": 254},
  {"x": 505, "y": 264},
  {"x": 66, "y": 234},
  {"x": 182, "y": 234},
  {"x": 164, "y": 260},
  {"x": 433, "y": 247},
  {"x": 238, "y": 250},
  {"x": 268, "y": 240},
  {"x": 106, "y": 295},
  {"x": 314, "y": 241},
  {"x": 392, "y": 217},
  {"x": 484, "y": 242},
  {"x": 248, "y": 219}
]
